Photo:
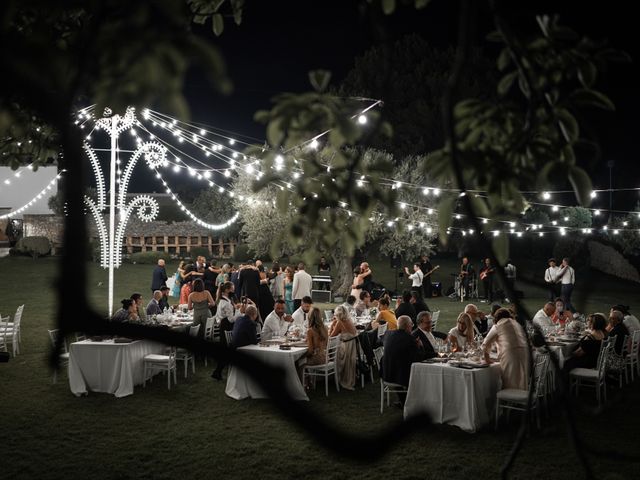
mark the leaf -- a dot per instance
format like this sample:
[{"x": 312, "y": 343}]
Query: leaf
[
  {"x": 587, "y": 74},
  {"x": 388, "y": 6},
  {"x": 275, "y": 133},
  {"x": 592, "y": 98},
  {"x": 506, "y": 82},
  {"x": 445, "y": 216},
  {"x": 217, "y": 23},
  {"x": 500, "y": 245},
  {"x": 421, "y": 4},
  {"x": 494, "y": 36},
  {"x": 568, "y": 125},
  {"x": 504, "y": 59},
  {"x": 581, "y": 184},
  {"x": 319, "y": 79}
]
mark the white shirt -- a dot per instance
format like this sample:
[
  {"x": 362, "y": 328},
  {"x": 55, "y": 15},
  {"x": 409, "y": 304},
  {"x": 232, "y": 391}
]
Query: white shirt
[
  {"x": 274, "y": 326},
  {"x": 632, "y": 323},
  {"x": 300, "y": 320},
  {"x": 227, "y": 310},
  {"x": 431, "y": 339},
  {"x": 567, "y": 275},
  {"x": 416, "y": 278},
  {"x": 301, "y": 285},
  {"x": 510, "y": 271},
  {"x": 542, "y": 319},
  {"x": 551, "y": 274}
]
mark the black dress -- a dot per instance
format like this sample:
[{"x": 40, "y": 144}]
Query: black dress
[{"x": 591, "y": 348}]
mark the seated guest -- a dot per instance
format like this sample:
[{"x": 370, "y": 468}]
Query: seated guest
[
  {"x": 244, "y": 328},
  {"x": 400, "y": 351},
  {"x": 544, "y": 317},
  {"x": 277, "y": 323},
  {"x": 586, "y": 354},
  {"x": 142, "y": 312},
  {"x": 418, "y": 304},
  {"x": 617, "y": 329},
  {"x": 300, "y": 316},
  {"x": 385, "y": 316},
  {"x": 513, "y": 351},
  {"x": 425, "y": 335},
  {"x": 490, "y": 318},
  {"x": 461, "y": 335},
  {"x": 561, "y": 316},
  {"x": 346, "y": 355},
  {"x": 630, "y": 321},
  {"x": 153, "y": 307},
  {"x": 350, "y": 304},
  {"x": 317, "y": 338},
  {"x": 128, "y": 312},
  {"x": 341, "y": 323},
  {"x": 164, "y": 300},
  {"x": 364, "y": 304},
  {"x": 406, "y": 307}
]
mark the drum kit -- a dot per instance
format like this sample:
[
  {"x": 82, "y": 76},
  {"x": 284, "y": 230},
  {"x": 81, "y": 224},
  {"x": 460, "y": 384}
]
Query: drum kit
[{"x": 459, "y": 290}]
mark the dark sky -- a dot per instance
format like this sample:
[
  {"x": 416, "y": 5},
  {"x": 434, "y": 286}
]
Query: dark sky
[{"x": 279, "y": 42}]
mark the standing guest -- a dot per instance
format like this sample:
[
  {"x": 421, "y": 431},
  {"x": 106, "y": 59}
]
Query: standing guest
[
  {"x": 561, "y": 316},
  {"x": 567, "y": 277},
  {"x": 223, "y": 276},
  {"x": 544, "y": 317},
  {"x": 405, "y": 307},
  {"x": 159, "y": 277},
  {"x": 416, "y": 278},
  {"x": 142, "y": 312},
  {"x": 366, "y": 275},
  {"x": 586, "y": 354},
  {"x": 190, "y": 275},
  {"x": 317, "y": 338},
  {"x": 209, "y": 277},
  {"x": 249, "y": 283},
  {"x": 427, "y": 270},
  {"x": 551, "y": 279},
  {"x": 486, "y": 277},
  {"x": 301, "y": 286},
  {"x": 277, "y": 323},
  {"x": 179, "y": 278},
  {"x": 288, "y": 290},
  {"x": 265, "y": 304},
  {"x": 400, "y": 352},
  {"x": 356, "y": 285},
  {"x": 510, "y": 272},
  {"x": 630, "y": 321},
  {"x": 617, "y": 329},
  {"x": 323, "y": 267},
  {"x": 385, "y": 316},
  {"x": 153, "y": 307},
  {"x": 461, "y": 335},
  {"x": 201, "y": 263},
  {"x": 200, "y": 300},
  {"x": 276, "y": 281},
  {"x": 342, "y": 326},
  {"x": 235, "y": 277},
  {"x": 513, "y": 352},
  {"x": 164, "y": 300},
  {"x": 426, "y": 336},
  {"x": 301, "y": 315},
  {"x": 244, "y": 328},
  {"x": 128, "y": 312},
  {"x": 226, "y": 315},
  {"x": 418, "y": 304},
  {"x": 466, "y": 275}
]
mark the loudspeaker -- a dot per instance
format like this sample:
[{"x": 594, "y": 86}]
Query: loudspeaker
[
  {"x": 396, "y": 262},
  {"x": 321, "y": 296}
]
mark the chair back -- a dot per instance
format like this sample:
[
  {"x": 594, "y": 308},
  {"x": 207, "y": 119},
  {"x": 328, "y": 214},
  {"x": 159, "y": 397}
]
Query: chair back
[
  {"x": 434, "y": 319},
  {"x": 635, "y": 344},
  {"x": 18, "y": 316},
  {"x": 382, "y": 329},
  {"x": 209, "y": 329},
  {"x": 332, "y": 348},
  {"x": 53, "y": 336},
  {"x": 328, "y": 315},
  {"x": 540, "y": 374},
  {"x": 605, "y": 349},
  {"x": 194, "y": 330},
  {"x": 377, "y": 354},
  {"x": 228, "y": 335},
  {"x": 4, "y": 327}
]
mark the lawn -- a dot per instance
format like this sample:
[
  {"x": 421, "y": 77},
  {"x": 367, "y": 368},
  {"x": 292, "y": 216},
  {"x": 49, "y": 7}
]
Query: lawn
[{"x": 194, "y": 430}]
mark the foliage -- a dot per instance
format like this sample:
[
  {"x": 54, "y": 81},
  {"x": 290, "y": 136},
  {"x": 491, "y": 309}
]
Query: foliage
[
  {"x": 56, "y": 202},
  {"x": 529, "y": 136},
  {"x": 411, "y": 76},
  {"x": 629, "y": 236},
  {"x": 34, "y": 246},
  {"x": 145, "y": 258},
  {"x": 576, "y": 217},
  {"x": 216, "y": 208},
  {"x": 536, "y": 216},
  {"x": 573, "y": 247},
  {"x": 199, "y": 252}
]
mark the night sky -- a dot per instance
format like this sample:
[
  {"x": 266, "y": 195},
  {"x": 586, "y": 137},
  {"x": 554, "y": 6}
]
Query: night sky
[{"x": 279, "y": 42}]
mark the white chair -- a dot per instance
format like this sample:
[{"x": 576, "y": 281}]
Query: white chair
[
  {"x": 209, "y": 332},
  {"x": 184, "y": 355},
  {"x": 326, "y": 369},
  {"x": 382, "y": 329},
  {"x": 228, "y": 335},
  {"x": 386, "y": 387},
  {"x": 434, "y": 319},
  {"x": 10, "y": 335},
  {"x": 63, "y": 358},
  {"x": 328, "y": 315},
  {"x": 17, "y": 319},
  {"x": 164, "y": 363},
  {"x": 517, "y": 399},
  {"x": 631, "y": 360},
  {"x": 3, "y": 329},
  {"x": 594, "y": 377}
]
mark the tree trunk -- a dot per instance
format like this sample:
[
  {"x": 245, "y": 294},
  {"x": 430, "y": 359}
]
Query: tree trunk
[{"x": 342, "y": 273}]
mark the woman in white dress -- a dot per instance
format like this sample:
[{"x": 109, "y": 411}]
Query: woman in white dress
[
  {"x": 513, "y": 350},
  {"x": 462, "y": 334},
  {"x": 356, "y": 286}
]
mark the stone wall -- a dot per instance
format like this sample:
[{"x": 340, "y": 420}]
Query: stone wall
[{"x": 608, "y": 260}]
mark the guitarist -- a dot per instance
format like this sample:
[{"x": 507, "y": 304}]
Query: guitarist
[
  {"x": 466, "y": 275},
  {"x": 486, "y": 277},
  {"x": 427, "y": 269}
]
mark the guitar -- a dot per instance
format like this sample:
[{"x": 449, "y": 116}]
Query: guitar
[
  {"x": 486, "y": 272},
  {"x": 431, "y": 271}
]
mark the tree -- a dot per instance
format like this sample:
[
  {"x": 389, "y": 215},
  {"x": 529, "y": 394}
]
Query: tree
[
  {"x": 628, "y": 236},
  {"x": 576, "y": 217},
  {"x": 214, "y": 207}
]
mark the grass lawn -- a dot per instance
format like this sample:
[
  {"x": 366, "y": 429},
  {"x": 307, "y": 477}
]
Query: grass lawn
[{"x": 194, "y": 430}]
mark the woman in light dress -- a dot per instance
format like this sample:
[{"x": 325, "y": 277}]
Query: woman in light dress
[
  {"x": 288, "y": 290},
  {"x": 356, "y": 286},
  {"x": 200, "y": 300},
  {"x": 461, "y": 335},
  {"x": 180, "y": 277},
  {"x": 513, "y": 351},
  {"x": 346, "y": 358}
]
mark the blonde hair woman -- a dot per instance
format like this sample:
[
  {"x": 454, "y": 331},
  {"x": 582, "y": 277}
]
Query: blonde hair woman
[
  {"x": 346, "y": 358},
  {"x": 462, "y": 334}
]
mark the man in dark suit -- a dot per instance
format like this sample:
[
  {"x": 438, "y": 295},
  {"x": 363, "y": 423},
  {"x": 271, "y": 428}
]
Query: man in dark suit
[
  {"x": 405, "y": 307},
  {"x": 164, "y": 300},
  {"x": 426, "y": 336},
  {"x": 400, "y": 351},
  {"x": 159, "y": 278},
  {"x": 249, "y": 283},
  {"x": 244, "y": 328}
]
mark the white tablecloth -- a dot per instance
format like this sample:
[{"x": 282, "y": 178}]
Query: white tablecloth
[
  {"x": 460, "y": 397},
  {"x": 240, "y": 385},
  {"x": 108, "y": 367}
]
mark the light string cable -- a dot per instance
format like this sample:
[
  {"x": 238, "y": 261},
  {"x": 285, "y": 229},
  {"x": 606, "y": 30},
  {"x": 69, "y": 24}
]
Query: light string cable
[{"x": 37, "y": 197}]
